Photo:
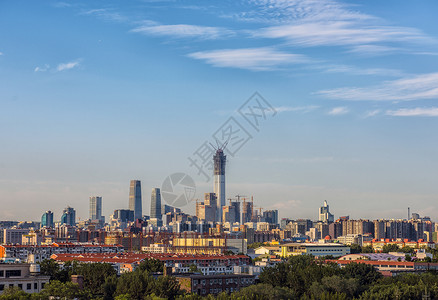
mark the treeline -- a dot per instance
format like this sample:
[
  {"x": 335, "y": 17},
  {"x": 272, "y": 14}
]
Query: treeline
[{"x": 300, "y": 277}]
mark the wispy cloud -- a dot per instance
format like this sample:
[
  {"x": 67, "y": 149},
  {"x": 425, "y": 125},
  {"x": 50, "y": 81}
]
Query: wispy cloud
[
  {"x": 106, "y": 14},
  {"x": 372, "y": 113},
  {"x": 424, "y": 86},
  {"x": 184, "y": 31},
  {"x": 414, "y": 112},
  {"x": 42, "y": 69},
  {"x": 341, "y": 110},
  {"x": 67, "y": 66},
  {"x": 333, "y": 68},
  {"x": 303, "y": 109},
  {"x": 255, "y": 59},
  {"x": 1, "y": 53},
  {"x": 341, "y": 33},
  {"x": 330, "y": 23}
]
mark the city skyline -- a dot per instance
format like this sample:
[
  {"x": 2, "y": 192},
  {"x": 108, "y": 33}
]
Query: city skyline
[{"x": 353, "y": 86}]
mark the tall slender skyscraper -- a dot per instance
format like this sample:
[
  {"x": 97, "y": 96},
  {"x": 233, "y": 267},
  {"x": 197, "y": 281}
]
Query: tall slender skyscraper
[
  {"x": 219, "y": 160},
  {"x": 156, "y": 204},
  {"x": 95, "y": 208},
  {"x": 135, "y": 199}
]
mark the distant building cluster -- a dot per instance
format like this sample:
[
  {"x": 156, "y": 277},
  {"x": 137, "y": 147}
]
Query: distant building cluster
[{"x": 218, "y": 240}]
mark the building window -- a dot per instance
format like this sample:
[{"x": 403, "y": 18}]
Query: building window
[
  {"x": 35, "y": 286},
  {"x": 2, "y": 273},
  {"x": 13, "y": 273},
  {"x": 42, "y": 285},
  {"x": 20, "y": 286},
  {"x": 2, "y": 287},
  {"x": 29, "y": 286}
]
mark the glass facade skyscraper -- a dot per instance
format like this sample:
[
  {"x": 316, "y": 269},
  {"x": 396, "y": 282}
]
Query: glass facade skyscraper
[
  {"x": 69, "y": 216},
  {"x": 47, "y": 219},
  {"x": 156, "y": 204},
  {"x": 135, "y": 203},
  {"x": 95, "y": 208}
]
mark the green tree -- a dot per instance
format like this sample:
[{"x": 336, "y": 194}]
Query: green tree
[
  {"x": 365, "y": 274},
  {"x": 368, "y": 249},
  {"x": 109, "y": 287},
  {"x": 94, "y": 276},
  {"x": 355, "y": 248},
  {"x": 14, "y": 293},
  {"x": 151, "y": 265},
  {"x": 264, "y": 291},
  {"x": 407, "y": 249},
  {"x": 390, "y": 248},
  {"x": 66, "y": 290}
]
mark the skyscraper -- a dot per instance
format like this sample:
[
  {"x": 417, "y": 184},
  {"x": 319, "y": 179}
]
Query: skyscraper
[
  {"x": 219, "y": 160},
  {"x": 47, "y": 219},
  {"x": 324, "y": 213},
  {"x": 95, "y": 208},
  {"x": 68, "y": 216},
  {"x": 135, "y": 199},
  {"x": 156, "y": 204}
]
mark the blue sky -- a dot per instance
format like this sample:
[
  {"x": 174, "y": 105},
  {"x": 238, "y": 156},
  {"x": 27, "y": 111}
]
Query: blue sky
[{"x": 96, "y": 93}]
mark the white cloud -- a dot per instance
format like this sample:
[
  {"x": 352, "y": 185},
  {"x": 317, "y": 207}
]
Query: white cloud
[
  {"x": 414, "y": 112},
  {"x": 1, "y": 53},
  {"x": 341, "y": 110},
  {"x": 340, "y": 33},
  {"x": 67, "y": 66},
  {"x": 329, "y": 23},
  {"x": 372, "y": 113},
  {"x": 184, "y": 31},
  {"x": 303, "y": 109},
  {"x": 42, "y": 69},
  {"x": 106, "y": 14},
  {"x": 424, "y": 86},
  {"x": 255, "y": 59}
]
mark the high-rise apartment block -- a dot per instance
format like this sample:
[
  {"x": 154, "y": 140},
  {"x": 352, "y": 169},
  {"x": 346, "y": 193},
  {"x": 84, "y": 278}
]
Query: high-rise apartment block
[{"x": 135, "y": 202}]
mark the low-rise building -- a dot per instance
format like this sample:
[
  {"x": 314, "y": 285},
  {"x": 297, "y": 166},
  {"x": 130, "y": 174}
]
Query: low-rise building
[
  {"x": 23, "y": 276},
  {"x": 316, "y": 249}
]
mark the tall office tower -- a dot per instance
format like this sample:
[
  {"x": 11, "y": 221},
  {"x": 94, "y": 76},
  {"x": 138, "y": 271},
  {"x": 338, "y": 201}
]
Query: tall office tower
[
  {"x": 219, "y": 160},
  {"x": 47, "y": 219},
  {"x": 229, "y": 214},
  {"x": 124, "y": 215},
  {"x": 156, "y": 204},
  {"x": 236, "y": 205},
  {"x": 247, "y": 211},
  {"x": 271, "y": 216},
  {"x": 206, "y": 210},
  {"x": 324, "y": 214},
  {"x": 68, "y": 216},
  {"x": 96, "y": 208},
  {"x": 135, "y": 199}
]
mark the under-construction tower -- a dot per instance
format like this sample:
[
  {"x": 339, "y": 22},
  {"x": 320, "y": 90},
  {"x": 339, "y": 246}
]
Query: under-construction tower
[{"x": 219, "y": 160}]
